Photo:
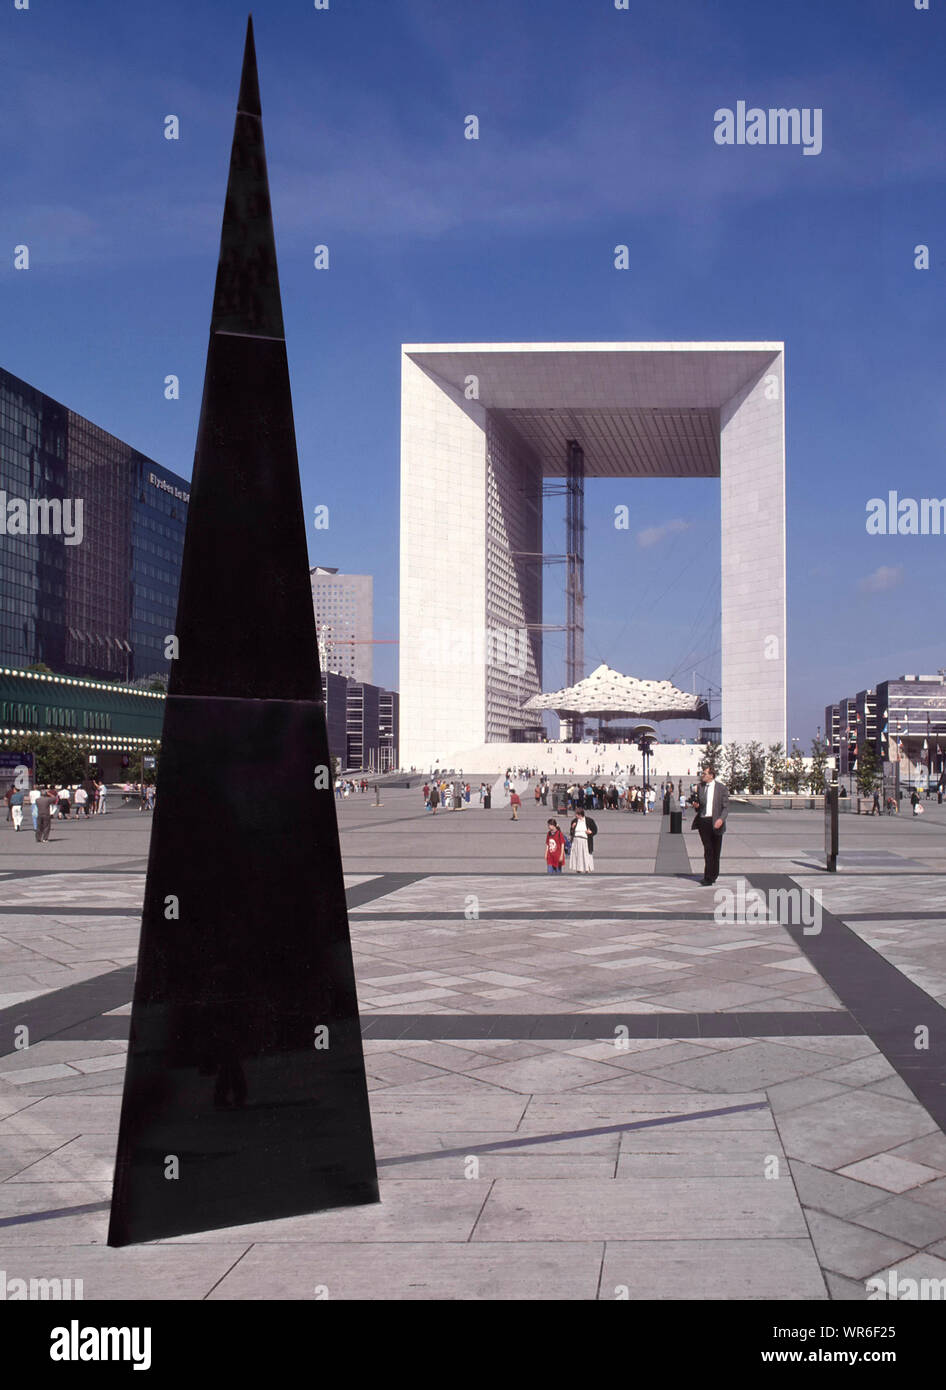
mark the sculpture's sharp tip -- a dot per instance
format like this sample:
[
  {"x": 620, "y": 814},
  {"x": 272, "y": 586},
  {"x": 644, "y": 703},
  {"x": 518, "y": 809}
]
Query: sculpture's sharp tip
[{"x": 249, "y": 82}]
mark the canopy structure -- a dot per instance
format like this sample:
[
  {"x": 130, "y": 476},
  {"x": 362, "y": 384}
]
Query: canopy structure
[{"x": 606, "y": 694}]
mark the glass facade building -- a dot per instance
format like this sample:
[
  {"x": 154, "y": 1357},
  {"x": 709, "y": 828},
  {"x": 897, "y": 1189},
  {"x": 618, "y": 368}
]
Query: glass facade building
[{"x": 98, "y": 596}]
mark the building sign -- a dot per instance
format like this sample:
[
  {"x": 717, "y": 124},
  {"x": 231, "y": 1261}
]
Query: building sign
[
  {"x": 18, "y": 769},
  {"x": 177, "y": 492}
]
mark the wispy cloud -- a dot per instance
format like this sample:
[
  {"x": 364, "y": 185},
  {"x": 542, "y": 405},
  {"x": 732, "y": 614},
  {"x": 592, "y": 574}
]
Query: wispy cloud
[
  {"x": 885, "y": 578},
  {"x": 653, "y": 535}
]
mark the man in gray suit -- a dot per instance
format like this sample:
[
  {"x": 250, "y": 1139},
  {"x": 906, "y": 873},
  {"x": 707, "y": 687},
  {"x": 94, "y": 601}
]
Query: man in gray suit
[{"x": 712, "y": 807}]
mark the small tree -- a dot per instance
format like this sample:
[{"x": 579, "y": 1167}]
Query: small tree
[
  {"x": 868, "y": 770},
  {"x": 712, "y": 754},
  {"x": 817, "y": 779},
  {"x": 775, "y": 766},
  {"x": 755, "y": 768},
  {"x": 735, "y": 767},
  {"x": 59, "y": 760},
  {"x": 795, "y": 771},
  {"x": 41, "y": 668}
]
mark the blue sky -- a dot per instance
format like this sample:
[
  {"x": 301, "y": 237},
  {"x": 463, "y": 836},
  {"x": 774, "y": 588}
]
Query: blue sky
[{"x": 596, "y": 128}]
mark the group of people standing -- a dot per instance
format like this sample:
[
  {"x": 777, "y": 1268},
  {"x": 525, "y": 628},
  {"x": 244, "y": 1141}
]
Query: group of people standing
[
  {"x": 613, "y": 796},
  {"x": 83, "y": 799},
  {"x": 451, "y": 796},
  {"x": 46, "y": 804},
  {"x": 347, "y": 787}
]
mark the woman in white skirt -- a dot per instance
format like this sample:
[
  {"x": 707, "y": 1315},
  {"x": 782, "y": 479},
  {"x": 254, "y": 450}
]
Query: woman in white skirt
[{"x": 581, "y": 859}]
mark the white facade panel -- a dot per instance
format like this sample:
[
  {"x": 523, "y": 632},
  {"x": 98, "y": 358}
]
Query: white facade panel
[{"x": 471, "y": 494}]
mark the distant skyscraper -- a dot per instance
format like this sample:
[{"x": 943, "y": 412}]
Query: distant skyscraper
[
  {"x": 345, "y": 622},
  {"x": 96, "y": 597}
]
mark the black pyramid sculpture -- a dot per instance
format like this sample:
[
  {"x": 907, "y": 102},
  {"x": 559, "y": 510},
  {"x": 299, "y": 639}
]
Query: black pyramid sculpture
[{"x": 245, "y": 1095}]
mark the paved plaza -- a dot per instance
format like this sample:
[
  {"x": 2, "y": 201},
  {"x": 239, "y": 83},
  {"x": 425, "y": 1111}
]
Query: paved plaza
[{"x": 622, "y": 1085}]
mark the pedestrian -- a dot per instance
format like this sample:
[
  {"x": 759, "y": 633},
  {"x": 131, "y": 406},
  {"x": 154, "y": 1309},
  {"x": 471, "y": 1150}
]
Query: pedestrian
[
  {"x": 81, "y": 797},
  {"x": 875, "y": 808},
  {"x": 466, "y": 793},
  {"x": 34, "y": 797},
  {"x": 545, "y": 791},
  {"x": 515, "y": 802},
  {"x": 554, "y": 848},
  {"x": 16, "y": 808},
  {"x": 915, "y": 802},
  {"x": 434, "y": 799},
  {"x": 538, "y": 793},
  {"x": 487, "y": 796},
  {"x": 583, "y": 830},
  {"x": 712, "y": 807},
  {"x": 44, "y": 808},
  {"x": 8, "y": 798},
  {"x": 426, "y": 796},
  {"x": 65, "y": 805}
]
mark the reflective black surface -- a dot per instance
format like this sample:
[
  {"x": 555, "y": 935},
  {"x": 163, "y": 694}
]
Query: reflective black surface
[{"x": 245, "y": 1095}]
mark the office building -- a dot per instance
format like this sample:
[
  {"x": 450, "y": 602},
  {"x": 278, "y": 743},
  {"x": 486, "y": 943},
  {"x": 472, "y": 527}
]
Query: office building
[
  {"x": 91, "y": 536},
  {"x": 389, "y": 718},
  {"x": 335, "y": 695},
  {"x": 364, "y": 726},
  {"x": 344, "y": 621},
  {"x": 832, "y": 726},
  {"x": 911, "y": 724}
]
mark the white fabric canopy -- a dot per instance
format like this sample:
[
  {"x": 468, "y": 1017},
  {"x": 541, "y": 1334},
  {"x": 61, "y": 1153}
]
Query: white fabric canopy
[{"x": 606, "y": 693}]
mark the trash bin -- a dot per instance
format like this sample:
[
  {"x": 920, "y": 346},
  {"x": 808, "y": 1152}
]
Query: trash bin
[{"x": 676, "y": 822}]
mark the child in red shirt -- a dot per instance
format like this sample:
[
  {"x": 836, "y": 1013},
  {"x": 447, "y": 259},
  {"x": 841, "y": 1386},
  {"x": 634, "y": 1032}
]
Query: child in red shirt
[{"x": 554, "y": 849}]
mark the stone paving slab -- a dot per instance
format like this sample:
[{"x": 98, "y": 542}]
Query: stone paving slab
[
  {"x": 580, "y": 1206},
  {"x": 704, "y": 1208},
  {"x": 743, "y": 1269},
  {"x": 480, "y": 1271}
]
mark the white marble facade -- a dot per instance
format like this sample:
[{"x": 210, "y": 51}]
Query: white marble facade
[{"x": 654, "y": 409}]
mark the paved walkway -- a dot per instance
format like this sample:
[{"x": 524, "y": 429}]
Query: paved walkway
[{"x": 582, "y": 1087}]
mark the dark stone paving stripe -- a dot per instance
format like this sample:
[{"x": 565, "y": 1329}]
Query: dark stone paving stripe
[
  {"x": 72, "y": 1006},
  {"x": 502, "y": 1144},
  {"x": 643, "y": 873},
  {"x": 887, "y": 1006},
  {"x": 439, "y": 1027},
  {"x": 75, "y": 1011},
  {"x": 130, "y": 866},
  {"x": 903, "y": 916},
  {"x": 552, "y": 914},
  {"x": 56, "y": 910},
  {"x": 379, "y": 887},
  {"x": 51, "y": 1215}
]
